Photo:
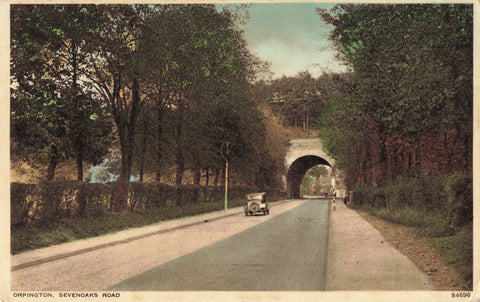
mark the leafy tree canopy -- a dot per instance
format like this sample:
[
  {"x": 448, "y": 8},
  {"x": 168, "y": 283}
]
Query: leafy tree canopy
[{"x": 413, "y": 63}]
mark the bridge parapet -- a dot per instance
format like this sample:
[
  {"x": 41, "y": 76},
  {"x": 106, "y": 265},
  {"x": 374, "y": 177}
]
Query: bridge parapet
[{"x": 305, "y": 147}]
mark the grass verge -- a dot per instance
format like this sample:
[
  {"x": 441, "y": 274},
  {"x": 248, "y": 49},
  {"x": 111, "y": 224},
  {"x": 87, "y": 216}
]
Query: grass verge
[{"x": 457, "y": 251}]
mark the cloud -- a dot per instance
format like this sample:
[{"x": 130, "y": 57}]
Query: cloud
[
  {"x": 290, "y": 56},
  {"x": 292, "y": 37}
]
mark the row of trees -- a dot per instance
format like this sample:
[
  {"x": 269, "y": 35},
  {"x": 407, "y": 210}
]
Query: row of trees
[
  {"x": 165, "y": 83},
  {"x": 409, "y": 110},
  {"x": 298, "y": 100}
]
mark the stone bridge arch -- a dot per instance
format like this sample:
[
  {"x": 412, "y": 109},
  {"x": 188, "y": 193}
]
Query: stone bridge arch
[{"x": 302, "y": 155}]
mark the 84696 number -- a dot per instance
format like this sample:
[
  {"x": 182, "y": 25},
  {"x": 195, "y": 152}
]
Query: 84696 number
[{"x": 461, "y": 295}]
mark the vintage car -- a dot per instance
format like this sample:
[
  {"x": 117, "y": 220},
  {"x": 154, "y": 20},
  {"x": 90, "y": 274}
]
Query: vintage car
[{"x": 256, "y": 202}]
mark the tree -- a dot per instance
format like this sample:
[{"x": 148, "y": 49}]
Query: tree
[
  {"x": 298, "y": 99},
  {"x": 89, "y": 131},
  {"x": 345, "y": 133},
  {"x": 117, "y": 78},
  {"x": 63, "y": 120},
  {"x": 413, "y": 70},
  {"x": 201, "y": 71},
  {"x": 271, "y": 160},
  {"x": 32, "y": 91}
]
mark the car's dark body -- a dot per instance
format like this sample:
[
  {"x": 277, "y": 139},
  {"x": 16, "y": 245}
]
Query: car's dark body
[{"x": 256, "y": 202}]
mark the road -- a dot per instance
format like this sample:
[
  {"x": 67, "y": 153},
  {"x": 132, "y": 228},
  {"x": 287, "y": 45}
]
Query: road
[{"x": 286, "y": 250}]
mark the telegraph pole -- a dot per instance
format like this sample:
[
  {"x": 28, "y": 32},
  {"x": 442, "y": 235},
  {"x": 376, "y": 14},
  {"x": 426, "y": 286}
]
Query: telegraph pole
[{"x": 226, "y": 171}]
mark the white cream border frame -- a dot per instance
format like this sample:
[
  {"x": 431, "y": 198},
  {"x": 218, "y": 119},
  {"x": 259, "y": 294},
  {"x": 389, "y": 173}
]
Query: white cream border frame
[{"x": 7, "y": 295}]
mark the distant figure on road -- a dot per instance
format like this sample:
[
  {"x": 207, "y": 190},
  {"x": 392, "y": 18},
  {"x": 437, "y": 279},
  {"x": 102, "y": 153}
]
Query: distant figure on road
[
  {"x": 334, "y": 197},
  {"x": 345, "y": 199}
]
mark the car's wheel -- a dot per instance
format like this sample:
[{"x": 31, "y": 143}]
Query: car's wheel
[{"x": 254, "y": 207}]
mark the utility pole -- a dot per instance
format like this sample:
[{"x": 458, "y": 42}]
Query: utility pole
[{"x": 226, "y": 171}]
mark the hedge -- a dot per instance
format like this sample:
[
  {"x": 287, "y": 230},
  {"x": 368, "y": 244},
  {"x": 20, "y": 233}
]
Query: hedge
[
  {"x": 447, "y": 199},
  {"x": 55, "y": 201}
]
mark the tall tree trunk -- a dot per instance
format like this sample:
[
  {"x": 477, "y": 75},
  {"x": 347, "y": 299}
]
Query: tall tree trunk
[
  {"x": 141, "y": 169},
  {"x": 383, "y": 153},
  {"x": 160, "y": 134},
  {"x": 142, "y": 157},
  {"x": 197, "y": 176},
  {"x": 52, "y": 165},
  {"x": 78, "y": 144},
  {"x": 119, "y": 196},
  {"x": 179, "y": 172},
  {"x": 80, "y": 165},
  {"x": 120, "y": 202},
  {"x": 197, "y": 171},
  {"x": 180, "y": 159},
  {"x": 142, "y": 165},
  {"x": 467, "y": 142},
  {"x": 131, "y": 126},
  {"x": 179, "y": 145},
  {"x": 446, "y": 150},
  {"x": 143, "y": 151},
  {"x": 178, "y": 182},
  {"x": 217, "y": 176},
  {"x": 126, "y": 132},
  {"x": 207, "y": 176}
]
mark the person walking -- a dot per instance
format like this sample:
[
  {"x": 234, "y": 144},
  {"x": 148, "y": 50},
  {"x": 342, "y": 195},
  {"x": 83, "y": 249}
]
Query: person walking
[{"x": 334, "y": 197}]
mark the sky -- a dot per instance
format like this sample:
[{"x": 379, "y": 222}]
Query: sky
[{"x": 292, "y": 37}]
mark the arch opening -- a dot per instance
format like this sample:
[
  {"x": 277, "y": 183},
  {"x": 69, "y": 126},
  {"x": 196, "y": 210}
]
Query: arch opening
[
  {"x": 318, "y": 182},
  {"x": 297, "y": 171}
]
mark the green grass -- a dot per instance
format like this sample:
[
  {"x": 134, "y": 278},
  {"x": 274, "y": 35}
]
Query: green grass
[
  {"x": 51, "y": 233},
  {"x": 457, "y": 250},
  {"x": 405, "y": 216}
]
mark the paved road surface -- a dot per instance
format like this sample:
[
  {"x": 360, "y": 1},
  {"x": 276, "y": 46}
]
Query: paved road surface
[
  {"x": 359, "y": 258},
  {"x": 287, "y": 252}
]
